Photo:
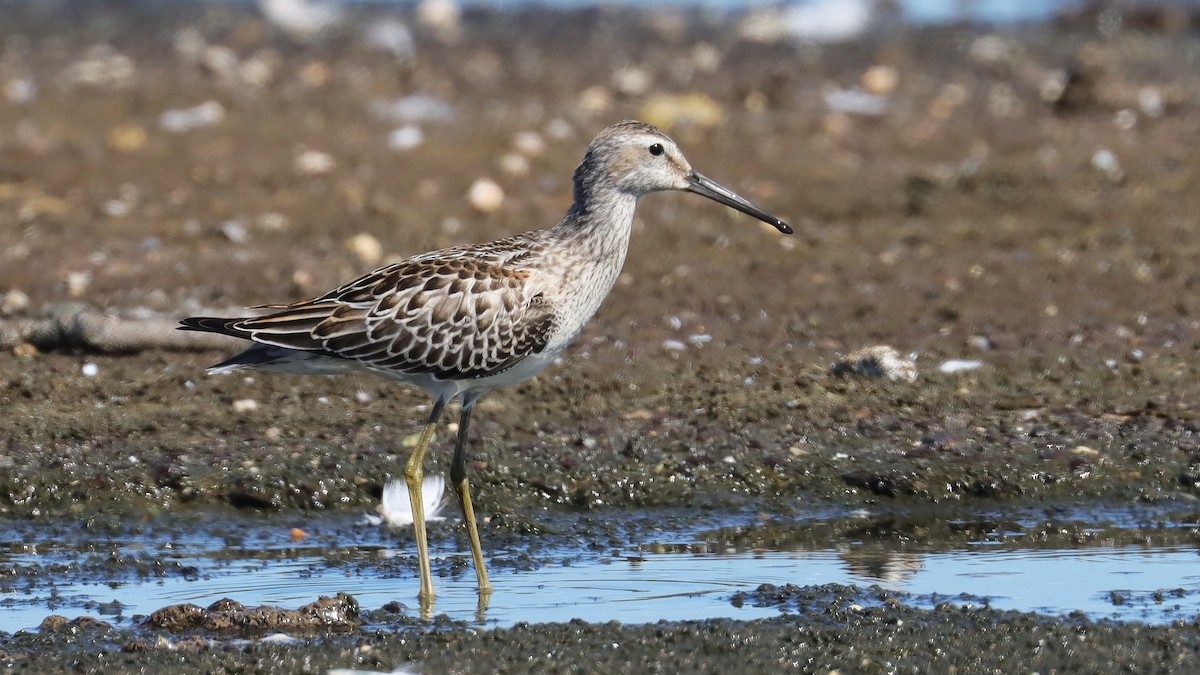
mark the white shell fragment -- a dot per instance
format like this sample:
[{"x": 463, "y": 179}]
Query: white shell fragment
[
  {"x": 245, "y": 405},
  {"x": 183, "y": 120},
  {"x": 959, "y": 366},
  {"x": 406, "y": 137}
]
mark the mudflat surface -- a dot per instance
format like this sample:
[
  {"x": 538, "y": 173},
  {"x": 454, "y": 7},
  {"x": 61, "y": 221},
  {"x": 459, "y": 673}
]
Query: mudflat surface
[{"x": 1025, "y": 198}]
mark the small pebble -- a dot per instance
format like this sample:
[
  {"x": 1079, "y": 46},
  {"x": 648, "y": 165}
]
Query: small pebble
[
  {"x": 674, "y": 345},
  {"x": 515, "y": 165},
  {"x": 949, "y": 98},
  {"x": 485, "y": 195},
  {"x": 1150, "y": 102},
  {"x": 596, "y": 100},
  {"x": 1053, "y": 87},
  {"x": 258, "y": 70},
  {"x": 301, "y": 19},
  {"x": 102, "y": 66},
  {"x": 990, "y": 50},
  {"x": 406, "y": 137},
  {"x": 979, "y": 343},
  {"x": 302, "y": 279},
  {"x": 235, "y": 232},
  {"x": 115, "y": 208},
  {"x": 245, "y": 405},
  {"x": 632, "y": 81},
  {"x": 443, "y": 17},
  {"x": 392, "y": 36},
  {"x": 21, "y": 90},
  {"x": 695, "y": 109},
  {"x": 190, "y": 44},
  {"x": 183, "y": 120},
  {"x": 127, "y": 138},
  {"x": 706, "y": 58},
  {"x": 366, "y": 247},
  {"x": 273, "y": 221},
  {"x": 315, "y": 75},
  {"x": 856, "y": 102},
  {"x": 559, "y": 129},
  {"x": 13, "y": 301},
  {"x": 1125, "y": 119},
  {"x": 25, "y": 350},
  {"x": 221, "y": 62},
  {"x": 529, "y": 143},
  {"x": 414, "y": 108},
  {"x": 90, "y": 370},
  {"x": 1104, "y": 161},
  {"x": 78, "y": 283},
  {"x": 880, "y": 80},
  {"x": 314, "y": 162}
]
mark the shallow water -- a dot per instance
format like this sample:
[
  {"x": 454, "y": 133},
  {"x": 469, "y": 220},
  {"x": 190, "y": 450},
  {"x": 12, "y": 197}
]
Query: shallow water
[{"x": 679, "y": 575}]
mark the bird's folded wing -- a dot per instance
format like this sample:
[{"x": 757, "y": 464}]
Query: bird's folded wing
[{"x": 454, "y": 319}]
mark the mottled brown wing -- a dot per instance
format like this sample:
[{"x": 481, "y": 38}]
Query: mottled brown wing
[{"x": 455, "y": 319}]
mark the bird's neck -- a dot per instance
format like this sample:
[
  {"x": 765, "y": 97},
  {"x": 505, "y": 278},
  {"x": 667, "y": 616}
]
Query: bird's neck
[{"x": 599, "y": 222}]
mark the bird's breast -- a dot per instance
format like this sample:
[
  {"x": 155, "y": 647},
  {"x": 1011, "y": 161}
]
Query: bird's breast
[{"x": 579, "y": 289}]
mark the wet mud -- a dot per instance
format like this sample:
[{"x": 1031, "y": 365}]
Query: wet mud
[
  {"x": 1025, "y": 199},
  {"x": 835, "y": 628}
]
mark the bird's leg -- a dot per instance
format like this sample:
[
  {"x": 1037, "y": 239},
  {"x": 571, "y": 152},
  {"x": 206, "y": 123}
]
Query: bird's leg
[
  {"x": 458, "y": 476},
  {"x": 414, "y": 474}
]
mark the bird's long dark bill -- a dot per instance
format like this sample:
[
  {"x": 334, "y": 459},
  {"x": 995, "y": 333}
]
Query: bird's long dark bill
[{"x": 719, "y": 193}]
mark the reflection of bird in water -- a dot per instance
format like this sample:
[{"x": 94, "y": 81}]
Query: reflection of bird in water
[
  {"x": 878, "y": 564},
  {"x": 464, "y": 321}
]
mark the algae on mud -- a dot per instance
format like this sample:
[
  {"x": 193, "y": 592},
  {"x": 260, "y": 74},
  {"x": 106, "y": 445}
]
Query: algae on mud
[{"x": 979, "y": 216}]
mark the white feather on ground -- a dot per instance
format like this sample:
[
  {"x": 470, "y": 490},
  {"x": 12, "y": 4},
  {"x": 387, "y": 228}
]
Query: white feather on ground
[{"x": 396, "y": 508}]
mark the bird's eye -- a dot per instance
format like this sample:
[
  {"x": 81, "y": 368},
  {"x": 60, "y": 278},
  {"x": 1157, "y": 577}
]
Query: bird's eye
[{"x": 656, "y": 149}]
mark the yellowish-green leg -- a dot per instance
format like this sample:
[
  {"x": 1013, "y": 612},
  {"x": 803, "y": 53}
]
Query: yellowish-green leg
[
  {"x": 414, "y": 474},
  {"x": 458, "y": 476}
]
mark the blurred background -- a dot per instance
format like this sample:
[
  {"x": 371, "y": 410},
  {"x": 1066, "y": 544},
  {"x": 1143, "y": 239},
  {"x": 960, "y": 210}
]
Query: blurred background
[{"x": 987, "y": 170}]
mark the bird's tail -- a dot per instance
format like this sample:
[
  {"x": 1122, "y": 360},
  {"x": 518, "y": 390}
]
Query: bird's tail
[{"x": 212, "y": 324}]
